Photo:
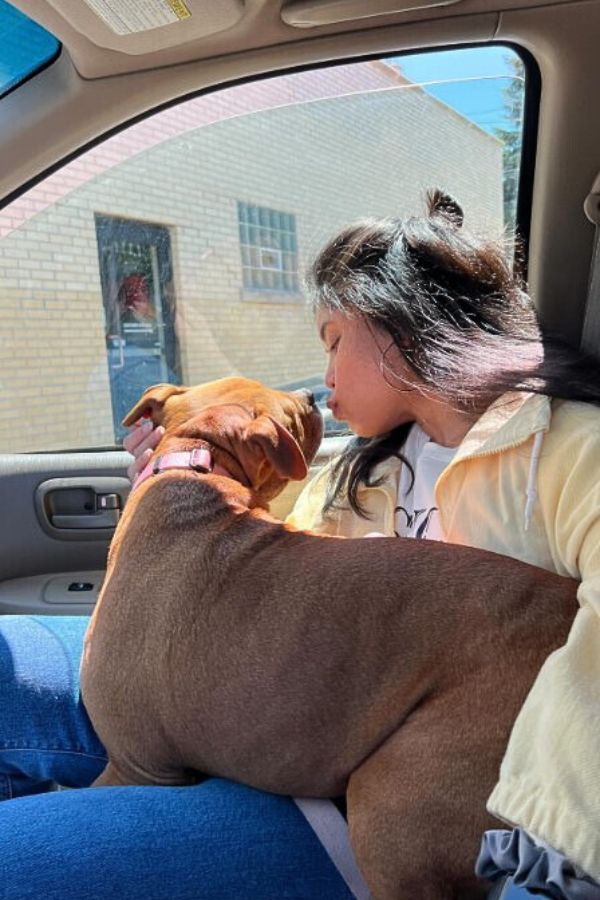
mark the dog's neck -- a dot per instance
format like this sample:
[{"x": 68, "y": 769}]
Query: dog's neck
[{"x": 203, "y": 459}]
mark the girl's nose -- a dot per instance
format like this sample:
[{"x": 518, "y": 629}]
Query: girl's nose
[{"x": 330, "y": 377}]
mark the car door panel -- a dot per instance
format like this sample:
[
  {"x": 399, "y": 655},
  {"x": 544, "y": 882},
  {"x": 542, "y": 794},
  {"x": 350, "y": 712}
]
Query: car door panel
[{"x": 41, "y": 559}]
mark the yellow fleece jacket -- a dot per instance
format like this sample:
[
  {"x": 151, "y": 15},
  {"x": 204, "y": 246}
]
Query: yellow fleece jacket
[{"x": 525, "y": 482}]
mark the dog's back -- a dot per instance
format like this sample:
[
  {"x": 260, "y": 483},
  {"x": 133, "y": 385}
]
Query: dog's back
[{"x": 390, "y": 669}]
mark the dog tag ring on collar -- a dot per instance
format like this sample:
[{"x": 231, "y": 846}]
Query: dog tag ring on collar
[{"x": 199, "y": 459}]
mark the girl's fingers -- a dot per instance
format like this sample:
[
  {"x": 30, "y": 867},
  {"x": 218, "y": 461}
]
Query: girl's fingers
[
  {"x": 141, "y": 441},
  {"x": 137, "y": 443},
  {"x": 150, "y": 442},
  {"x": 138, "y": 465},
  {"x": 137, "y": 435}
]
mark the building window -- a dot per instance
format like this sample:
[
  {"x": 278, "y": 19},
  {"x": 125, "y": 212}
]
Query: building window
[{"x": 269, "y": 249}]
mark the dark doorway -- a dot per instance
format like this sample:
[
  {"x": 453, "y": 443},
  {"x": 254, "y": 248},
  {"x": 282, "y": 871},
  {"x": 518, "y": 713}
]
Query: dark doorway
[{"x": 136, "y": 272}]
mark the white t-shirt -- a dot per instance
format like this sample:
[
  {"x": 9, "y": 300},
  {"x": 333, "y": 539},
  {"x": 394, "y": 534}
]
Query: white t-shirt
[{"x": 417, "y": 515}]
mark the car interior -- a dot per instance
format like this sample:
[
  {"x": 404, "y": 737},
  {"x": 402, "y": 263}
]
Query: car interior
[{"x": 169, "y": 169}]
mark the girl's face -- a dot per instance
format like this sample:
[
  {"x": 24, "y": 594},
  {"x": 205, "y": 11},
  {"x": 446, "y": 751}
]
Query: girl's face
[{"x": 371, "y": 394}]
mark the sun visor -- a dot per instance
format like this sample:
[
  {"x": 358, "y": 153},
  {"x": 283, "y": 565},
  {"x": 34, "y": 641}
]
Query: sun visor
[{"x": 140, "y": 27}]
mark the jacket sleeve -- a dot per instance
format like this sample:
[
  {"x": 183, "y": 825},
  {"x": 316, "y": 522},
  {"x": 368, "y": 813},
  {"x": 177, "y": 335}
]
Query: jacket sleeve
[
  {"x": 571, "y": 502},
  {"x": 550, "y": 777}
]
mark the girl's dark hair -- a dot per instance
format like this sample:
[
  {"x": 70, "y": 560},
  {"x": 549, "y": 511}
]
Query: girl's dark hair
[{"x": 452, "y": 305}]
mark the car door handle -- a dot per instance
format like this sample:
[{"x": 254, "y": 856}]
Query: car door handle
[
  {"x": 81, "y": 508},
  {"x": 100, "y": 518}
]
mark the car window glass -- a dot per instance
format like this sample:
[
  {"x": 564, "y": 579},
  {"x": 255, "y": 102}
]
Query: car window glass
[
  {"x": 175, "y": 250},
  {"x": 24, "y": 47}
]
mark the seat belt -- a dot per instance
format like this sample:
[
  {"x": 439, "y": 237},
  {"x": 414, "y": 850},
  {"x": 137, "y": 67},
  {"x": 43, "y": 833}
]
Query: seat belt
[
  {"x": 331, "y": 828},
  {"x": 590, "y": 333}
]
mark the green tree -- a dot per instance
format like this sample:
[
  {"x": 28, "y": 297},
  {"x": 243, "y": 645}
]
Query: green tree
[{"x": 510, "y": 135}]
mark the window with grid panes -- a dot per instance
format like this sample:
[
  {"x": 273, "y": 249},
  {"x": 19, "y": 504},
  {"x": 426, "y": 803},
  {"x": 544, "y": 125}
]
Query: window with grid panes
[{"x": 269, "y": 249}]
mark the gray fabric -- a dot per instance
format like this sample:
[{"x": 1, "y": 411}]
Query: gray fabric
[
  {"x": 498, "y": 892},
  {"x": 533, "y": 866},
  {"x": 495, "y": 891},
  {"x": 331, "y": 828}
]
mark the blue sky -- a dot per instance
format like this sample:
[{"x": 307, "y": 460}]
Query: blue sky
[{"x": 470, "y": 80}]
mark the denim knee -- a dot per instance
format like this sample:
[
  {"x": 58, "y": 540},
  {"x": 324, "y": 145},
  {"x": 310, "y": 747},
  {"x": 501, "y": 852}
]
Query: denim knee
[{"x": 45, "y": 733}]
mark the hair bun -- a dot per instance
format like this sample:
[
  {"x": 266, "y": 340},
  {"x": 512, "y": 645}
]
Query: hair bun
[{"x": 442, "y": 205}]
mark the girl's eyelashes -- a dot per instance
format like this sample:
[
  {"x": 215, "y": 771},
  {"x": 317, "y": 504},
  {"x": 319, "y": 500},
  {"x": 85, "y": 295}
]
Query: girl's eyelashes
[{"x": 332, "y": 346}]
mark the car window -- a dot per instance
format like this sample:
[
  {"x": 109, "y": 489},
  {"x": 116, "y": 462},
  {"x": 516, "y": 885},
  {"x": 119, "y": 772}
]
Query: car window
[
  {"x": 25, "y": 48},
  {"x": 176, "y": 250}
]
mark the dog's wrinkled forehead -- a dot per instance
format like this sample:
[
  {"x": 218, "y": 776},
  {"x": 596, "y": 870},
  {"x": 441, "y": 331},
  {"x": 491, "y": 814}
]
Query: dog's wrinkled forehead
[
  {"x": 164, "y": 403},
  {"x": 249, "y": 397}
]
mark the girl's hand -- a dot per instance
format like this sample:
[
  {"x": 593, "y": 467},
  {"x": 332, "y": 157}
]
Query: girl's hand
[{"x": 141, "y": 441}]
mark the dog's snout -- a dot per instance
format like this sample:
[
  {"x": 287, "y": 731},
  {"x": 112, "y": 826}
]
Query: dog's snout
[{"x": 306, "y": 394}]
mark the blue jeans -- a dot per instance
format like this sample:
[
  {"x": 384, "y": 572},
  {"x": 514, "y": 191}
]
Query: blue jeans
[{"x": 217, "y": 840}]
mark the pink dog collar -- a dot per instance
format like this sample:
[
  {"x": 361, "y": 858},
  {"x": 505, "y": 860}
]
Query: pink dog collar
[{"x": 199, "y": 460}]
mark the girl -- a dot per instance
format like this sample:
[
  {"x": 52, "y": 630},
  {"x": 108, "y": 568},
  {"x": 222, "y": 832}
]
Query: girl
[
  {"x": 474, "y": 429},
  {"x": 436, "y": 362}
]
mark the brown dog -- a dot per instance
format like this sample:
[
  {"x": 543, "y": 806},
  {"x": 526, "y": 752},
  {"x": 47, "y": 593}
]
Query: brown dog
[{"x": 225, "y": 643}]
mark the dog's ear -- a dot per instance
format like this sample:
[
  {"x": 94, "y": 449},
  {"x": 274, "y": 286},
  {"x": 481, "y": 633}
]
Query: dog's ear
[
  {"x": 151, "y": 403},
  {"x": 278, "y": 446}
]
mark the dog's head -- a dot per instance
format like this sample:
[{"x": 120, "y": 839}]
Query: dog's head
[{"x": 271, "y": 435}]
